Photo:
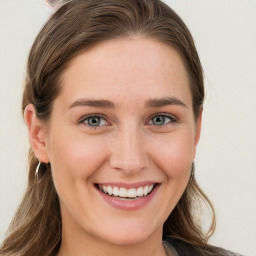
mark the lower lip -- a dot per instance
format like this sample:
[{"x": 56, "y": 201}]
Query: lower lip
[{"x": 128, "y": 205}]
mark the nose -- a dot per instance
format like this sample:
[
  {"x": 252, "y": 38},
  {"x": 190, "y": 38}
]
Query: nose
[{"x": 128, "y": 152}]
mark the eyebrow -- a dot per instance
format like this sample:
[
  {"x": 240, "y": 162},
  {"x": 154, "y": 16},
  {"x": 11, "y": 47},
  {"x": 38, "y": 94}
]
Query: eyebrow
[
  {"x": 93, "y": 103},
  {"x": 161, "y": 102},
  {"x": 153, "y": 103}
]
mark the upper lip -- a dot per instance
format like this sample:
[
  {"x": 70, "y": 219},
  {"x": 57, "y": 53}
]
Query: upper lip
[{"x": 128, "y": 185}]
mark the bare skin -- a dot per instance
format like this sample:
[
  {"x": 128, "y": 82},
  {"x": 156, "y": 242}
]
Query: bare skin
[{"x": 124, "y": 116}]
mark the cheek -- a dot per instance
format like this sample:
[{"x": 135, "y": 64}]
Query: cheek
[
  {"x": 175, "y": 155},
  {"x": 76, "y": 156},
  {"x": 74, "y": 159}
]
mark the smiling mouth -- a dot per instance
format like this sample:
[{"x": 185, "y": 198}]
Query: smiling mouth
[{"x": 126, "y": 193}]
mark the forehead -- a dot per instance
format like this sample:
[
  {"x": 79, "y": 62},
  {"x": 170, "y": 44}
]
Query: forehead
[{"x": 128, "y": 69}]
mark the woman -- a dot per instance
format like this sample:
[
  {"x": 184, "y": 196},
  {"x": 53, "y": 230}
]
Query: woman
[{"x": 113, "y": 103}]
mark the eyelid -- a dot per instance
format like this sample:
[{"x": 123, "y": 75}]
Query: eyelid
[
  {"x": 171, "y": 116},
  {"x": 84, "y": 118}
]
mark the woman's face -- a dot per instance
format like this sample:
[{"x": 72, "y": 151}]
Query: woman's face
[{"x": 123, "y": 123}]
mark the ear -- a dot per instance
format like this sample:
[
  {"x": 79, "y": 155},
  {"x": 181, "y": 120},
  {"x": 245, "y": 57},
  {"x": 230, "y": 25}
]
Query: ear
[
  {"x": 36, "y": 131},
  {"x": 198, "y": 129}
]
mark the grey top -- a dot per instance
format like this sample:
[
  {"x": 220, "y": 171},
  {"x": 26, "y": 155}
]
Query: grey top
[
  {"x": 170, "y": 250},
  {"x": 175, "y": 247}
]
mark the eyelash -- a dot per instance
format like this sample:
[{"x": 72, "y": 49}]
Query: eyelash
[
  {"x": 85, "y": 119},
  {"x": 172, "y": 118}
]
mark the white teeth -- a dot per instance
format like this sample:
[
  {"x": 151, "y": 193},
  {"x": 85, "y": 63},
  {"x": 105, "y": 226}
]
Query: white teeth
[
  {"x": 115, "y": 191},
  {"x": 123, "y": 192},
  {"x": 140, "y": 191},
  {"x": 127, "y": 193},
  {"x": 109, "y": 190},
  {"x": 145, "y": 191},
  {"x": 132, "y": 192}
]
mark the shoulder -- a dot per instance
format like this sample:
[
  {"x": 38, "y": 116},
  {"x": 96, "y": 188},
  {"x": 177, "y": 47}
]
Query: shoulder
[{"x": 186, "y": 249}]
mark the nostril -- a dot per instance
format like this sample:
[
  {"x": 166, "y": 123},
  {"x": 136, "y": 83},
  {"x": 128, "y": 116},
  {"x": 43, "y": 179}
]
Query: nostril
[
  {"x": 128, "y": 152},
  {"x": 128, "y": 166}
]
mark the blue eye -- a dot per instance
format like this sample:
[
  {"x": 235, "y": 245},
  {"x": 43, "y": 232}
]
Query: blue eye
[
  {"x": 95, "y": 121},
  {"x": 159, "y": 120}
]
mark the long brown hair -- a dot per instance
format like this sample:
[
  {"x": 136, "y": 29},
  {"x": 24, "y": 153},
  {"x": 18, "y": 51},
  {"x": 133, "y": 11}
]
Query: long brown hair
[{"x": 74, "y": 27}]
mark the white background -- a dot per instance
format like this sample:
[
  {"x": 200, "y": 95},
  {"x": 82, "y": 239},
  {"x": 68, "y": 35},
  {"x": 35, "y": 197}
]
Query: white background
[{"x": 225, "y": 36}]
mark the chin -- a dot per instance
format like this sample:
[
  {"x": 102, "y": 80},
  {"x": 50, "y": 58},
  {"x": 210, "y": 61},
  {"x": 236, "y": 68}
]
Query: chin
[
  {"x": 127, "y": 240},
  {"x": 129, "y": 236}
]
